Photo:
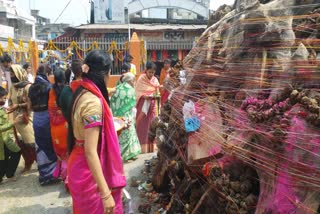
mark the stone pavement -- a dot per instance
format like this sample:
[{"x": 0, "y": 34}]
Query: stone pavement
[{"x": 26, "y": 196}]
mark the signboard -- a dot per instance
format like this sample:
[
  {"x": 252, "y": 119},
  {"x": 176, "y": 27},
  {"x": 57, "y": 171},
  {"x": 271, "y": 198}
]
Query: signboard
[
  {"x": 116, "y": 36},
  {"x": 93, "y": 35},
  {"x": 173, "y": 35},
  {"x": 108, "y": 36},
  {"x": 109, "y": 11}
]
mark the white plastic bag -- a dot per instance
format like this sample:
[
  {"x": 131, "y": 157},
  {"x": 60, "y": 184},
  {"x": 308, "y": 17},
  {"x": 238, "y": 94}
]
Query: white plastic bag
[
  {"x": 188, "y": 110},
  {"x": 128, "y": 205}
]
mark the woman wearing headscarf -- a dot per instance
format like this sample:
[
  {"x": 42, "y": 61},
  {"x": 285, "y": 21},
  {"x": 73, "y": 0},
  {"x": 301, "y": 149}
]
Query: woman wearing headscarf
[
  {"x": 95, "y": 170},
  {"x": 123, "y": 104},
  {"x": 18, "y": 105},
  {"x": 46, "y": 157}
]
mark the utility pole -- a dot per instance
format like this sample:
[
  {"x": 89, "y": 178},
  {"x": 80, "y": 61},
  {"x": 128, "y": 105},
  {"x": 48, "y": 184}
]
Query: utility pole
[
  {"x": 91, "y": 12},
  {"x": 129, "y": 27}
]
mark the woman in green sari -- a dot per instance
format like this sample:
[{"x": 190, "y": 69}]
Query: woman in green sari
[{"x": 123, "y": 104}]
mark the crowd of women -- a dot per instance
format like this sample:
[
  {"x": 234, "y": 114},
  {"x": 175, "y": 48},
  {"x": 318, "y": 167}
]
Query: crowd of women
[{"x": 67, "y": 127}]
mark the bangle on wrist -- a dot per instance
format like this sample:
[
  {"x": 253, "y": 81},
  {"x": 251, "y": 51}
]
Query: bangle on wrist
[{"x": 106, "y": 197}]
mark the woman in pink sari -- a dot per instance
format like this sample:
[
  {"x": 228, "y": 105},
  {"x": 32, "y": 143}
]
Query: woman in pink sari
[
  {"x": 147, "y": 87},
  {"x": 95, "y": 170}
]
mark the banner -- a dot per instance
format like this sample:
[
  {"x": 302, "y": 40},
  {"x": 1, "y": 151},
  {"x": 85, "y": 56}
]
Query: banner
[{"x": 108, "y": 11}]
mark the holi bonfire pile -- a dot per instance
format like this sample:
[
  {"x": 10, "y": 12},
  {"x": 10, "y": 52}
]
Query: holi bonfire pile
[{"x": 242, "y": 135}]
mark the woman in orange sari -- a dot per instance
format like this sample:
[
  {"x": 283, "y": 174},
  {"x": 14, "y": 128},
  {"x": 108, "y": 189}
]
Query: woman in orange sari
[
  {"x": 146, "y": 87},
  {"x": 59, "y": 125},
  {"x": 165, "y": 70}
]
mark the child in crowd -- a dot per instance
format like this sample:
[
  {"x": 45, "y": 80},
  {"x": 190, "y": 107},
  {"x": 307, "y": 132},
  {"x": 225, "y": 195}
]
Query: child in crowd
[
  {"x": 124, "y": 70},
  {"x": 9, "y": 150},
  {"x": 132, "y": 67},
  {"x": 28, "y": 69}
]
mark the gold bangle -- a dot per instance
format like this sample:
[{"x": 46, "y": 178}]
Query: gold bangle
[{"x": 106, "y": 197}]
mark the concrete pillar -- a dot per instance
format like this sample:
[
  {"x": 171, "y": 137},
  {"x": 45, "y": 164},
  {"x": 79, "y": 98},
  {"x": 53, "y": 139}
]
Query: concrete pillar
[
  {"x": 33, "y": 31},
  {"x": 135, "y": 51}
]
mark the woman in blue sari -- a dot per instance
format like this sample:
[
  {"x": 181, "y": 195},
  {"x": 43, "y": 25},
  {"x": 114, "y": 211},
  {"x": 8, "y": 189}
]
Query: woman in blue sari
[{"x": 46, "y": 157}]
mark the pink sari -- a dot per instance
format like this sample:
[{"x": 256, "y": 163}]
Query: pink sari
[
  {"x": 145, "y": 87},
  {"x": 83, "y": 188}
]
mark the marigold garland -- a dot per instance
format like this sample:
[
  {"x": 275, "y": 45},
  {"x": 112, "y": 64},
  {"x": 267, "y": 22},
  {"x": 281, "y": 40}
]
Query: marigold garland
[{"x": 21, "y": 51}]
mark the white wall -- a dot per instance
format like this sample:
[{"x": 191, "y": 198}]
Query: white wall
[{"x": 6, "y": 31}]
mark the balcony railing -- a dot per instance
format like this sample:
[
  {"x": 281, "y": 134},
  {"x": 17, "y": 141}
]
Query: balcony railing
[
  {"x": 201, "y": 2},
  {"x": 169, "y": 45}
]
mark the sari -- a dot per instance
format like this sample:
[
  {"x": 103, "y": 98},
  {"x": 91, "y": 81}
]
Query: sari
[
  {"x": 18, "y": 94},
  {"x": 146, "y": 109},
  {"x": 169, "y": 84},
  {"x": 46, "y": 157},
  {"x": 163, "y": 74},
  {"x": 165, "y": 92},
  {"x": 90, "y": 110},
  {"x": 122, "y": 104},
  {"x": 59, "y": 133}
]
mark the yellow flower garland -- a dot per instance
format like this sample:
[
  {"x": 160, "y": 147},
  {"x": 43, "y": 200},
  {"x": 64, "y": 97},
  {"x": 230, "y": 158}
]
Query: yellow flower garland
[{"x": 21, "y": 51}]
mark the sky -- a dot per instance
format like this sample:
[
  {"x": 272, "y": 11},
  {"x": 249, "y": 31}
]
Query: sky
[{"x": 78, "y": 11}]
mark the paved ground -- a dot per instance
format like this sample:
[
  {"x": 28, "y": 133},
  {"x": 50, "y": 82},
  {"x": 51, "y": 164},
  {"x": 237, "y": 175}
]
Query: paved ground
[{"x": 26, "y": 196}]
